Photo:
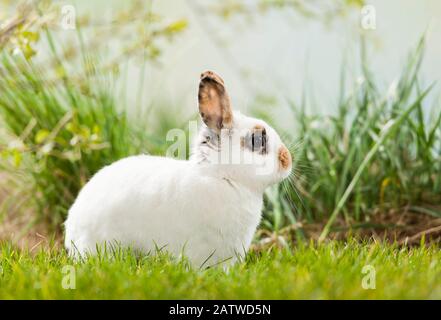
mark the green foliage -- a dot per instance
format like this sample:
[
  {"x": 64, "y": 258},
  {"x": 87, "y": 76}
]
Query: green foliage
[
  {"x": 379, "y": 152},
  {"x": 312, "y": 9},
  {"x": 328, "y": 271},
  {"x": 20, "y": 33},
  {"x": 61, "y": 134},
  {"x": 60, "y": 115},
  {"x": 135, "y": 28}
]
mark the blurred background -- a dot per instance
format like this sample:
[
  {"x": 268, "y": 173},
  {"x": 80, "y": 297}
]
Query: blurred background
[
  {"x": 292, "y": 46},
  {"x": 110, "y": 78}
]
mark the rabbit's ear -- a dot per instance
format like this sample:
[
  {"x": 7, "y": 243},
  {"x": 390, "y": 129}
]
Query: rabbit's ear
[{"x": 214, "y": 102}]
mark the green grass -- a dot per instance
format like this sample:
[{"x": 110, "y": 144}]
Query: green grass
[
  {"x": 326, "y": 271},
  {"x": 380, "y": 150},
  {"x": 63, "y": 116},
  {"x": 60, "y": 134}
]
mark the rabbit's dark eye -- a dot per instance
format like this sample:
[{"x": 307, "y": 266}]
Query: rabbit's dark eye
[{"x": 257, "y": 141}]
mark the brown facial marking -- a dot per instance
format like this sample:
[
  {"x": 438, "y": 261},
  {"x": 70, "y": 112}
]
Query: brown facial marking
[
  {"x": 284, "y": 158},
  {"x": 242, "y": 142},
  {"x": 214, "y": 102}
]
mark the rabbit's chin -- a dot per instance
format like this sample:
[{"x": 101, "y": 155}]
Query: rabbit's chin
[{"x": 254, "y": 177}]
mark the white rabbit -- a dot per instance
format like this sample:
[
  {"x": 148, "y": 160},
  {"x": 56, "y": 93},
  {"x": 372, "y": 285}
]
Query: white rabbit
[{"x": 207, "y": 208}]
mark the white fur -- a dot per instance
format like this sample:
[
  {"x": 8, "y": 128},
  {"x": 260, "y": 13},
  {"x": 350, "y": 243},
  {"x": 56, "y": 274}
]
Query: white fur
[{"x": 193, "y": 207}]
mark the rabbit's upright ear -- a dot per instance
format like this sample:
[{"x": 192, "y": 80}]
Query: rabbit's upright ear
[{"x": 214, "y": 102}]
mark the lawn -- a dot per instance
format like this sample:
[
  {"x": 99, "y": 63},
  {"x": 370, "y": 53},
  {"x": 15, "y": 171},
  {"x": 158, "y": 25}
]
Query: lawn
[
  {"x": 334, "y": 270},
  {"x": 369, "y": 168}
]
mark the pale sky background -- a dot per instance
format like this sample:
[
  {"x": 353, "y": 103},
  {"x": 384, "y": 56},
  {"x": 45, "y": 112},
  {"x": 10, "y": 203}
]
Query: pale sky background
[{"x": 280, "y": 53}]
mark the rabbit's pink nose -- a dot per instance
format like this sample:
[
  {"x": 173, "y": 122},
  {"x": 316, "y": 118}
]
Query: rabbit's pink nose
[{"x": 285, "y": 159}]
